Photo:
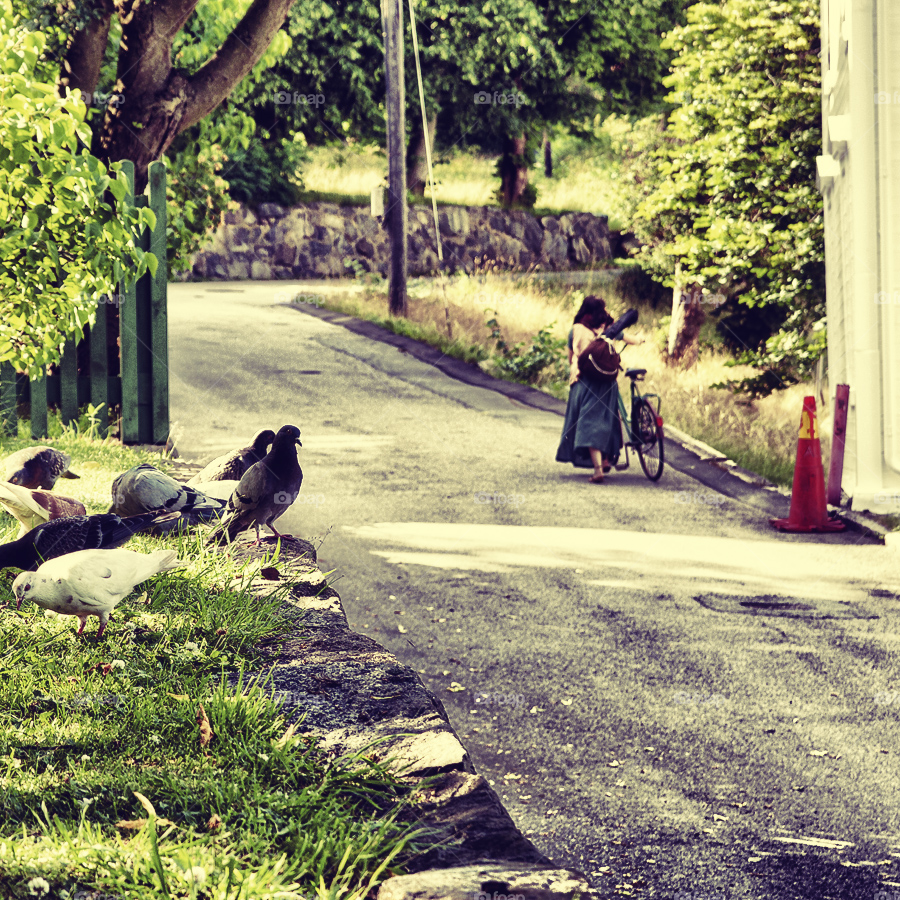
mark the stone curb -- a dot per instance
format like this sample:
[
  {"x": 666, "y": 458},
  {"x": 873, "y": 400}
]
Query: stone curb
[
  {"x": 683, "y": 453},
  {"x": 351, "y": 694}
]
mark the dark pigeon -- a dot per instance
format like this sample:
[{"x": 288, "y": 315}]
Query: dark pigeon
[
  {"x": 37, "y": 467},
  {"x": 231, "y": 466},
  {"x": 60, "y": 536},
  {"x": 265, "y": 491},
  {"x": 145, "y": 489}
]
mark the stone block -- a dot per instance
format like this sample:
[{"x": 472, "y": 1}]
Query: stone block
[
  {"x": 554, "y": 250},
  {"x": 238, "y": 270},
  {"x": 580, "y": 252},
  {"x": 260, "y": 271},
  {"x": 550, "y": 224},
  {"x": 454, "y": 220},
  {"x": 486, "y": 881},
  {"x": 271, "y": 211},
  {"x": 331, "y": 221},
  {"x": 365, "y": 248}
]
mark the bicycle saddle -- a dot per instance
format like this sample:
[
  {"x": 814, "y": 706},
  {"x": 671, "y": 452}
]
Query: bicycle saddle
[{"x": 635, "y": 373}]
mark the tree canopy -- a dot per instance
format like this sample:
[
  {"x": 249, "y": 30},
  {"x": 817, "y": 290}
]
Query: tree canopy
[
  {"x": 63, "y": 245},
  {"x": 728, "y": 191}
]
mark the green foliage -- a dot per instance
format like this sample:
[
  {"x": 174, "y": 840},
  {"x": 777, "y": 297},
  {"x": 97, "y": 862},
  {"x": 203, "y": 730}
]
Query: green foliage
[
  {"x": 63, "y": 245},
  {"x": 267, "y": 172},
  {"x": 728, "y": 192},
  {"x": 789, "y": 357},
  {"x": 527, "y": 362}
]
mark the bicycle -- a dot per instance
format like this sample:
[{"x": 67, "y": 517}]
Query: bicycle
[{"x": 642, "y": 431}]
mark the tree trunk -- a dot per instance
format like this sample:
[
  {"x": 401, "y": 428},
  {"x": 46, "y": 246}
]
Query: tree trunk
[
  {"x": 688, "y": 316},
  {"x": 153, "y": 101},
  {"x": 548, "y": 156},
  {"x": 513, "y": 171},
  {"x": 416, "y": 160}
]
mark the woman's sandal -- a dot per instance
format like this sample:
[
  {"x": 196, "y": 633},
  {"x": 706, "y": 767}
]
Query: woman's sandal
[
  {"x": 606, "y": 468},
  {"x": 596, "y": 479}
]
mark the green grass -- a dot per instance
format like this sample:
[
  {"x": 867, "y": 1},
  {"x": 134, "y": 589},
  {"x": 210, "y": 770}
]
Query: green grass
[
  {"x": 584, "y": 179},
  {"x": 96, "y": 733}
]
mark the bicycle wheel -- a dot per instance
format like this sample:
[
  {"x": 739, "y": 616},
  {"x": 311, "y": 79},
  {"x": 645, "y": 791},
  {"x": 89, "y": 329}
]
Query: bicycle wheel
[{"x": 648, "y": 436}]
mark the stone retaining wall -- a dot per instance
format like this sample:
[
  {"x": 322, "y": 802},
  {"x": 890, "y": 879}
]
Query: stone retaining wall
[{"x": 320, "y": 239}]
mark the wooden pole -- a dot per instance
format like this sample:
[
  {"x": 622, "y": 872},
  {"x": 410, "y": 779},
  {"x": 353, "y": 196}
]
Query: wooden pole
[
  {"x": 839, "y": 435},
  {"x": 396, "y": 217}
]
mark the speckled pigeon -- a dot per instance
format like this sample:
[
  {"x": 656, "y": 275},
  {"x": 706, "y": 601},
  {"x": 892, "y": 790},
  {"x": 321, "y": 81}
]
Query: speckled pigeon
[
  {"x": 231, "y": 466},
  {"x": 90, "y": 582},
  {"x": 145, "y": 489},
  {"x": 37, "y": 467},
  {"x": 61, "y": 536},
  {"x": 33, "y": 508},
  {"x": 266, "y": 490}
]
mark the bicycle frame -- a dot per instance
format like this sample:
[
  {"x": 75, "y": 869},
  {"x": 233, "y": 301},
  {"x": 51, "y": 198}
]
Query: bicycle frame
[{"x": 629, "y": 440}]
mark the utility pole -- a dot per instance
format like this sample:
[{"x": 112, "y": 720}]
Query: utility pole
[{"x": 396, "y": 217}]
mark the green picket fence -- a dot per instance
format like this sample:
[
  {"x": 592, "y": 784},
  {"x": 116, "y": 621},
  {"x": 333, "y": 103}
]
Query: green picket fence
[{"x": 141, "y": 388}]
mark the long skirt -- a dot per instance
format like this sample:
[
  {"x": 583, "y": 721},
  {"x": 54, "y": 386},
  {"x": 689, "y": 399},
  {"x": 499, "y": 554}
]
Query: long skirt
[{"x": 592, "y": 420}]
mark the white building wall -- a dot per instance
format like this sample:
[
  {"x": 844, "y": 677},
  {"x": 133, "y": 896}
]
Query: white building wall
[{"x": 859, "y": 176}]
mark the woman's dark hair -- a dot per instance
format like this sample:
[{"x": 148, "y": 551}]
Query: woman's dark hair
[{"x": 593, "y": 309}]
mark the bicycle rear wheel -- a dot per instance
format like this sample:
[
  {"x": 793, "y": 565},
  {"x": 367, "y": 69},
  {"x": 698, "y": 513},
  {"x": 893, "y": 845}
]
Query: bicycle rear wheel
[{"x": 648, "y": 436}]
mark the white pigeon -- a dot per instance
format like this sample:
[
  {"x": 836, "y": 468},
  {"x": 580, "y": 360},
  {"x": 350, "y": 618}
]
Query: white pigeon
[{"x": 90, "y": 582}]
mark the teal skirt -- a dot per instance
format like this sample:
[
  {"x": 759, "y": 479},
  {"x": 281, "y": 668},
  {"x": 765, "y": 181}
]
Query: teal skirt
[{"x": 592, "y": 420}]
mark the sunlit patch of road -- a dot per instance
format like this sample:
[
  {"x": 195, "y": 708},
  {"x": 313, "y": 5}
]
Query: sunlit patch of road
[{"x": 663, "y": 562}]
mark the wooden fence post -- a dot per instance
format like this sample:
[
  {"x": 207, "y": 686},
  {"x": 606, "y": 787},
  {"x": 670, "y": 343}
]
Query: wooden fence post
[
  {"x": 159, "y": 336},
  {"x": 68, "y": 382},
  {"x": 99, "y": 367},
  {"x": 39, "y": 406},
  {"x": 128, "y": 368}
]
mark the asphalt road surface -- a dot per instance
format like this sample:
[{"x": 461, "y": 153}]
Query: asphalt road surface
[{"x": 667, "y": 694}]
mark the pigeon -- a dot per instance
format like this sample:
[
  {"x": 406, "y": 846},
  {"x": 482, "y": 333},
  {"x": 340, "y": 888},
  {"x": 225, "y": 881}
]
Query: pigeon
[
  {"x": 60, "y": 536},
  {"x": 232, "y": 466},
  {"x": 145, "y": 489},
  {"x": 32, "y": 508},
  {"x": 90, "y": 582},
  {"x": 265, "y": 491},
  {"x": 36, "y": 467}
]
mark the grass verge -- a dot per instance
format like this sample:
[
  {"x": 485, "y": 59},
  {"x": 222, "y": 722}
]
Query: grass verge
[
  {"x": 532, "y": 314},
  {"x": 153, "y": 763}
]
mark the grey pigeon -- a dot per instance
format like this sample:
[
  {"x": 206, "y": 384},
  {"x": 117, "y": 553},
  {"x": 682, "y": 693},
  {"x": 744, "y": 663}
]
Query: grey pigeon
[
  {"x": 73, "y": 533},
  {"x": 37, "y": 467},
  {"x": 266, "y": 490},
  {"x": 90, "y": 582},
  {"x": 231, "y": 466},
  {"x": 145, "y": 489}
]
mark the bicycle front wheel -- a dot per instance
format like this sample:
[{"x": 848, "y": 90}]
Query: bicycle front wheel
[{"x": 648, "y": 435}]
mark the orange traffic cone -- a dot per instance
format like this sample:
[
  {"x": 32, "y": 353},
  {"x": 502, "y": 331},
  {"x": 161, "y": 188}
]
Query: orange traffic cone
[{"x": 808, "y": 510}]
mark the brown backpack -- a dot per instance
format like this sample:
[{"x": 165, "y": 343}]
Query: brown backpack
[{"x": 599, "y": 363}]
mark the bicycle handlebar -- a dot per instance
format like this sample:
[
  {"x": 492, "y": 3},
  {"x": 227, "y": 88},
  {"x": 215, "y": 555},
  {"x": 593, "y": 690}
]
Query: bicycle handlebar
[{"x": 626, "y": 320}]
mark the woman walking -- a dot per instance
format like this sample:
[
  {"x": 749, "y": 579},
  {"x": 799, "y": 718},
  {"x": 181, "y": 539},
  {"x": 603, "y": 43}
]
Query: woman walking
[{"x": 592, "y": 435}]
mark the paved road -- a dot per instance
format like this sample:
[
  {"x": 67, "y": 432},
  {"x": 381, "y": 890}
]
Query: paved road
[{"x": 666, "y": 694}]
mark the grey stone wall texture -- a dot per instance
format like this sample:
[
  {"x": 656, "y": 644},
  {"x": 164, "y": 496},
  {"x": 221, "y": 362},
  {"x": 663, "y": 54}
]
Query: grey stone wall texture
[{"x": 319, "y": 239}]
